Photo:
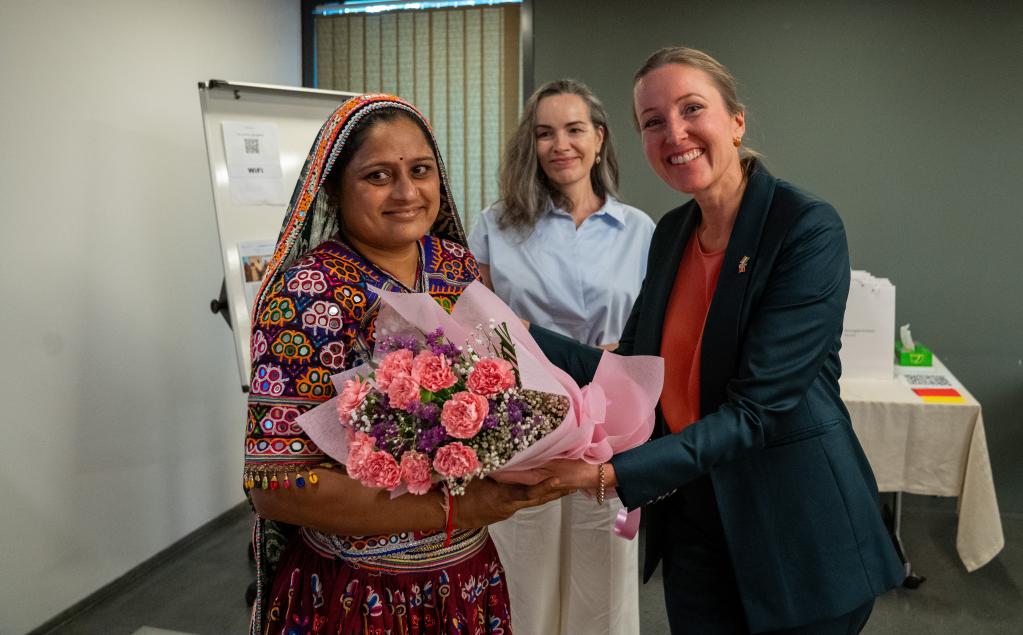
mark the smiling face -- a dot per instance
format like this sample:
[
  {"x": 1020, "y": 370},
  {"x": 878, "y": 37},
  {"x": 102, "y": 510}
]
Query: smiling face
[
  {"x": 688, "y": 131},
  {"x": 567, "y": 142},
  {"x": 390, "y": 190}
]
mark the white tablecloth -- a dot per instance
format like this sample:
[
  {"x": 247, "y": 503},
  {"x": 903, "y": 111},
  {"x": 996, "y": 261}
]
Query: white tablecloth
[{"x": 933, "y": 449}]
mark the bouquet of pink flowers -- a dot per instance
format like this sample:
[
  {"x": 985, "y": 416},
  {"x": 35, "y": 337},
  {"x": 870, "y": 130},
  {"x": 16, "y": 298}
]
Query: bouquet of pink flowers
[
  {"x": 432, "y": 410},
  {"x": 452, "y": 397}
]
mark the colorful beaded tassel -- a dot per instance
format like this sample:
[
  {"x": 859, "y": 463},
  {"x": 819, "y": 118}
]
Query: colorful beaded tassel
[{"x": 278, "y": 477}]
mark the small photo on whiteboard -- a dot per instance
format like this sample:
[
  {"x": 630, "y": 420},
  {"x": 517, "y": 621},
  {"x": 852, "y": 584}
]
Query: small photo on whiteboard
[{"x": 254, "y": 256}]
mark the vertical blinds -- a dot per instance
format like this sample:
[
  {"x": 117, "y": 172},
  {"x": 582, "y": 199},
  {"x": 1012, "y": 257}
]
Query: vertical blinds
[{"x": 460, "y": 67}]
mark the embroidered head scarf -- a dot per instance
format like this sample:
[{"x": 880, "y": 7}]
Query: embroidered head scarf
[{"x": 311, "y": 218}]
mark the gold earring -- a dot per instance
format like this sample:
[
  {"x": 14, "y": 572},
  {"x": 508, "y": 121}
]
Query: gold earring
[{"x": 736, "y": 141}]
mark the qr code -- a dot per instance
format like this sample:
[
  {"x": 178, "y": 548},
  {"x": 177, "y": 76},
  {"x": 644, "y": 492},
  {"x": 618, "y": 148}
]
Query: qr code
[
  {"x": 251, "y": 145},
  {"x": 927, "y": 380}
]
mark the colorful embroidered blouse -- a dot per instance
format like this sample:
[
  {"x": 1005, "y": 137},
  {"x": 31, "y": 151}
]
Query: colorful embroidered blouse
[{"x": 318, "y": 320}]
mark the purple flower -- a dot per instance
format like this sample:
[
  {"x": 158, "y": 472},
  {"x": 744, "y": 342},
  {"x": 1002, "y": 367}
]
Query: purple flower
[
  {"x": 385, "y": 344},
  {"x": 429, "y": 412},
  {"x": 451, "y": 351},
  {"x": 425, "y": 411},
  {"x": 379, "y": 433},
  {"x": 384, "y": 431},
  {"x": 390, "y": 343},
  {"x": 516, "y": 409},
  {"x": 430, "y": 438},
  {"x": 435, "y": 337},
  {"x": 439, "y": 346},
  {"x": 490, "y": 421}
]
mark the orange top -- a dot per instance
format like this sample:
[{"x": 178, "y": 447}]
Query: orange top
[{"x": 684, "y": 318}]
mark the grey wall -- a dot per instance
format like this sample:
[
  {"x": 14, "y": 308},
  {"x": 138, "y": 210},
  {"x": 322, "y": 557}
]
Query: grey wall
[
  {"x": 904, "y": 115},
  {"x": 122, "y": 421}
]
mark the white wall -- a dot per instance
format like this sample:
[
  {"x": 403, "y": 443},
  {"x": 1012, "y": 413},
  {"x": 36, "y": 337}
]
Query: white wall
[{"x": 122, "y": 416}]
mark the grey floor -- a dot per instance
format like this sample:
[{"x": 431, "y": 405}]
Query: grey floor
[{"x": 201, "y": 592}]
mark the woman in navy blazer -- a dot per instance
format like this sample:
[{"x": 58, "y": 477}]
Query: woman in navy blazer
[{"x": 762, "y": 507}]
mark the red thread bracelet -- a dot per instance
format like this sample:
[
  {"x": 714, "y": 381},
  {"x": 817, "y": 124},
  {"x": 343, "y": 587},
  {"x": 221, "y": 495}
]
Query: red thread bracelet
[{"x": 450, "y": 524}]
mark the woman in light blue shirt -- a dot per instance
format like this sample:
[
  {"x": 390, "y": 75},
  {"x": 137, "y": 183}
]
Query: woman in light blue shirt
[{"x": 564, "y": 253}]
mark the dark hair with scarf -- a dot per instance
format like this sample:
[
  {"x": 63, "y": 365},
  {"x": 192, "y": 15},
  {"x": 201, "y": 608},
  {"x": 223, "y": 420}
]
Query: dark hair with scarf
[{"x": 312, "y": 213}]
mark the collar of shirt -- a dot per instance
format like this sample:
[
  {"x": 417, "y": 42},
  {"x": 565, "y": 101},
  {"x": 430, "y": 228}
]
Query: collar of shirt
[{"x": 612, "y": 210}]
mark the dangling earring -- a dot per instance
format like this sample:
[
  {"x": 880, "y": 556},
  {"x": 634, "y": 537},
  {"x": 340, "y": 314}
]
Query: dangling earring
[
  {"x": 597, "y": 161},
  {"x": 736, "y": 141}
]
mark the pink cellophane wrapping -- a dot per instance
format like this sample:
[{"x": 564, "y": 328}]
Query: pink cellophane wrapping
[{"x": 613, "y": 413}]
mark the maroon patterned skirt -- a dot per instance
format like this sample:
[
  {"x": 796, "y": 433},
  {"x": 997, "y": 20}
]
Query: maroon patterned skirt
[{"x": 463, "y": 592}]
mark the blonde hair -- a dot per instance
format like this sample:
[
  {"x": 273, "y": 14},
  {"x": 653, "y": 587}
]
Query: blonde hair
[
  {"x": 721, "y": 76},
  {"x": 525, "y": 190}
]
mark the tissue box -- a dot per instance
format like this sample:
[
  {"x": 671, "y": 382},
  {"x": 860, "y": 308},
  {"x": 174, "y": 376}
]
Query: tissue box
[{"x": 919, "y": 356}]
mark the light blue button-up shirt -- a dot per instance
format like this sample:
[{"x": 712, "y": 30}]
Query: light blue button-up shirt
[{"x": 578, "y": 282}]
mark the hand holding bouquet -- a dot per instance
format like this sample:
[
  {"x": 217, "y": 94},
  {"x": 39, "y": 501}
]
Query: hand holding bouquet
[{"x": 452, "y": 397}]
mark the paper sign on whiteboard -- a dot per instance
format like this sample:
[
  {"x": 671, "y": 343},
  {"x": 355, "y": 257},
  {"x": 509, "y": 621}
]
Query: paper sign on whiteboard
[{"x": 253, "y": 163}]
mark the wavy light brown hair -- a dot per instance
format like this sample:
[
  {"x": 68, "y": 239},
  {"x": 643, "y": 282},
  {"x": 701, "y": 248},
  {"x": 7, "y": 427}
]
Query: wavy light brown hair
[{"x": 525, "y": 190}]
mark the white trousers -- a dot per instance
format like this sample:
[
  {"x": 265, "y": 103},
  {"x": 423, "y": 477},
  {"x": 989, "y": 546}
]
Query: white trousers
[{"x": 567, "y": 572}]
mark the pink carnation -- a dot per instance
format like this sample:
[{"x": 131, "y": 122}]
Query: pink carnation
[
  {"x": 351, "y": 397},
  {"x": 491, "y": 376},
  {"x": 403, "y": 391},
  {"x": 360, "y": 446},
  {"x": 463, "y": 414},
  {"x": 433, "y": 372},
  {"x": 380, "y": 470},
  {"x": 455, "y": 460},
  {"x": 395, "y": 363},
  {"x": 415, "y": 471}
]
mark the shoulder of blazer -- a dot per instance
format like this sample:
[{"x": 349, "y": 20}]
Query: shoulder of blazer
[
  {"x": 792, "y": 208},
  {"x": 797, "y": 202}
]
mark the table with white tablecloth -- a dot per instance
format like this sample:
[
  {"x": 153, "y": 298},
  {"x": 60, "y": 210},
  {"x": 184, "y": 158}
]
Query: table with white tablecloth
[{"x": 927, "y": 445}]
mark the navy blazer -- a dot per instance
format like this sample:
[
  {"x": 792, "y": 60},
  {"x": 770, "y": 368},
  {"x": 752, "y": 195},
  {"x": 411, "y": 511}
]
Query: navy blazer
[{"x": 797, "y": 498}]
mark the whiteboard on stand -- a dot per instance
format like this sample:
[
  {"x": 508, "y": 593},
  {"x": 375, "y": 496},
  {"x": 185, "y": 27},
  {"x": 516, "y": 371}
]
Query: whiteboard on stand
[{"x": 257, "y": 139}]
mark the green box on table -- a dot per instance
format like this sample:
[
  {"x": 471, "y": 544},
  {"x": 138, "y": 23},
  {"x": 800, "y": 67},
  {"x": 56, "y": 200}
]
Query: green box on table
[{"x": 919, "y": 355}]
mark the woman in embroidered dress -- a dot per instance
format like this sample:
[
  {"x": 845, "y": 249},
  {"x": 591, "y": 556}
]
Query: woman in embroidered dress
[
  {"x": 565, "y": 253},
  {"x": 372, "y": 210}
]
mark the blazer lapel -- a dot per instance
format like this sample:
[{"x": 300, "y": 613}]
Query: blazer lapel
[
  {"x": 720, "y": 343},
  {"x": 662, "y": 280},
  {"x": 667, "y": 253}
]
